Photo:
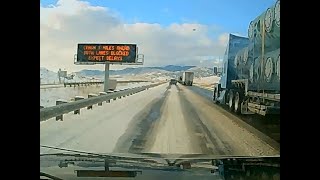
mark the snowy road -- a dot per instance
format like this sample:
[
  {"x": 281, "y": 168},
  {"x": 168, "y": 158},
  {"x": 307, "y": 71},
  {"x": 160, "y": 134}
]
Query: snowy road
[
  {"x": 159, "y": 120},
  {"x": 173, "y": 124}
]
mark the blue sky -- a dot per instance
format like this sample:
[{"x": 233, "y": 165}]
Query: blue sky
[
  {"x": 227, "y": 15},
  {"x": 163, "y": 30}
]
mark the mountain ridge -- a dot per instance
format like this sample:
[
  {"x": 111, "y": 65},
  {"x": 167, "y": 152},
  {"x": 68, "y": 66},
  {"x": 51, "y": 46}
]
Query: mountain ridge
[
  {"x": 170, "y": 71},
  {"x": 138, "y": 70}
]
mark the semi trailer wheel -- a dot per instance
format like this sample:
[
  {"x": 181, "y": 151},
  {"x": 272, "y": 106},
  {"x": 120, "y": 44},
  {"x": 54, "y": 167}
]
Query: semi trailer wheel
[
  {"x": 231, "y": 100},
  {"x": 214, "y": 95},
  {"x": 237, "y": 102}
]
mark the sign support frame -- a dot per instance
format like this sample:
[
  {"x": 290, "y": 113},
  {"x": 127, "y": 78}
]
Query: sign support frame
[{"x": 106, "y": 77}]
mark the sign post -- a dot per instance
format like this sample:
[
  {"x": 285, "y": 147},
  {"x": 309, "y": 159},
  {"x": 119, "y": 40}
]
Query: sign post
[
  {"x": 122, "y": 54},
  {"x": 106, "y": 77}
]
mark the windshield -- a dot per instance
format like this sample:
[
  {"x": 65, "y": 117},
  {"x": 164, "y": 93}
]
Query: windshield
[{"x": 161, "y": 77}]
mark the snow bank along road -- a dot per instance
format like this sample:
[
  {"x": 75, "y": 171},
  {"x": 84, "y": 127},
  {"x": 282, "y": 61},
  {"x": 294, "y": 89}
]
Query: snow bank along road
[
  {"x": 164, "y": 119},
  {"x": 50, "y": 93}
]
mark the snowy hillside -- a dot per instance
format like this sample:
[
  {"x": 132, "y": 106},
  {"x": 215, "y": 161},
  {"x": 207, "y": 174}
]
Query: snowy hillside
[
  {"x": 207, "y": 81},
  {"x": 141, "y": 73},
  {"x": 201, "y": 71},
  {"x": 135, "y": 71},
  {"x": 50, "y": 77}
]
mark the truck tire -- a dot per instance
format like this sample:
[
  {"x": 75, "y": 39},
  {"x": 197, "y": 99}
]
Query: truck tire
[
  {"x": 237, "y": 102},
  {"x": 214, "y": 95},
  {"x": 231, "y": 100}
]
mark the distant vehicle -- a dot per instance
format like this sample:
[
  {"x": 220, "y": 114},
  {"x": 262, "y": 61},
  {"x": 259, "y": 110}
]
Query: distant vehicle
[
  {"x": 173, "y": 81},
  {"x": 70, "y": 77},
  {"x": 187, "y": 78},
  {"x": 215, "y": 70},
  {"x": 219, "y": 71}
]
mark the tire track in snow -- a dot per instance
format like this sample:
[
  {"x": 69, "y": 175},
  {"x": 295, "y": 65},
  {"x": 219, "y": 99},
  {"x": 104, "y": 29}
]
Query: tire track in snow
[{"x": 135, "y": 138}]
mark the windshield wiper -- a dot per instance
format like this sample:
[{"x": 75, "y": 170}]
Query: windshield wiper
[
  {"x": 145, "y": 161},
  {"x": 68, "y": 150},
  {"x": 117, "y": 157},
  {"x": 49, "y": 176},
  {"x": 108, "y": 159}
]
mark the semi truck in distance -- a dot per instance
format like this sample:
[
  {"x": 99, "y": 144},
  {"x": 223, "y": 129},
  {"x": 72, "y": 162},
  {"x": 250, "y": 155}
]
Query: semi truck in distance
[
  {"x": 173, "y": 81},
  {"x": 217, "y": 71},
  {"x": 187, "y": 78},
  {"x": 250, "y": 81}
]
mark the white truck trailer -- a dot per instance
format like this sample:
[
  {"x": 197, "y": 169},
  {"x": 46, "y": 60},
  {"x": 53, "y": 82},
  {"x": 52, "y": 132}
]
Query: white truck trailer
[{"x": 187, "y": 78}]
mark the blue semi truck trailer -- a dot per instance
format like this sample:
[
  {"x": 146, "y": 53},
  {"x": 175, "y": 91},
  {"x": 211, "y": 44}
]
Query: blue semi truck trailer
[{"x": 250, "y": 81}]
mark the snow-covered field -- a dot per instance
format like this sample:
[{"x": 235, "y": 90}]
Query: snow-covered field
[
  {"x": 99, "y": 129},
  {"x": 48, "y": 96},
  {"x": 50, "y": 77},
  {"x": 206, "y": 82}
]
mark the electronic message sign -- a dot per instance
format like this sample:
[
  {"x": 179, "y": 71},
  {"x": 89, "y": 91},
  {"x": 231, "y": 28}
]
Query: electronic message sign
[{"x": 102, "y": 53}]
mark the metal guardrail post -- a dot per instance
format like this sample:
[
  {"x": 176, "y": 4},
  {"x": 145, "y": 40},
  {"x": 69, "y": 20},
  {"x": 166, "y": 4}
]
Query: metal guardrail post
[
  {"x": 100, "y": 103},
  {"x": 77, "y": 98},
  {"x": 124, "y": 94},
  {"x": 109, "y": 92},
  {"x": 58, "y": 102},
  {"x": 115, "y": 98},
  {"x": 119, "y": 96},
  {"x": 128, "y": 93},
  {"x": 89, "y": 96},
  {"x": 104, "y": 93}
]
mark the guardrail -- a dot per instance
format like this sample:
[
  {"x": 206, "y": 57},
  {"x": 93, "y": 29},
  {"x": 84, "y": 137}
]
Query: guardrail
[
  {"x": 81, "y": 83},
  {"x": 59, "y": 110},
  {"x": 131, "y": 81}
]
